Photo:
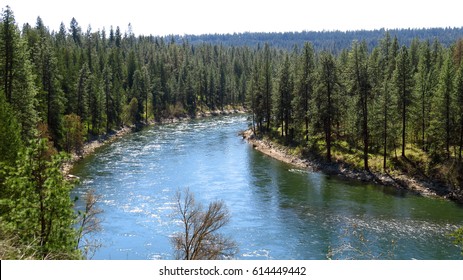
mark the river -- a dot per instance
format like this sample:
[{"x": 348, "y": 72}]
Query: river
[{"x": 277, "y": 211}]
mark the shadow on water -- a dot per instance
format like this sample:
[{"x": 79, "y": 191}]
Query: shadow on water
[{"x": 278, "y": 212}]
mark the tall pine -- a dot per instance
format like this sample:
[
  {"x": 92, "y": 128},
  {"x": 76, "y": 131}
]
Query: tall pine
[{"x": 403, "y": 83}]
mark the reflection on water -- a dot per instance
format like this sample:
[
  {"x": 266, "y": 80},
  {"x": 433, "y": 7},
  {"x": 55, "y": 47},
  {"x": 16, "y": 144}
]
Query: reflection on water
[{"x": 278, "y": 212}]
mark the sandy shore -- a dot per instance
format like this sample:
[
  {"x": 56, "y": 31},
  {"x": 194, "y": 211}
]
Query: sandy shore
[{"x": 401, "y": 181}]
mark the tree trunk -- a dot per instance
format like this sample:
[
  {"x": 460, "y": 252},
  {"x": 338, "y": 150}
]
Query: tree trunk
[
  {"x": 385, "y": 127},
  {"x": 461, "y": 138},
  {"x": 447, "y": 124},
  {"x": 328, "y": 124},
  {"x": 403, "y": 125},
  {"x": 365, "y": 133},
  {"x": 423, "y": 120}
]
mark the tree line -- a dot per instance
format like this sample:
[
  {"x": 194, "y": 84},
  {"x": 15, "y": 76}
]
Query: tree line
[
  {"x": 389, "y": 108},
  {"x": 371, "y": 106},
  {"x": 335, "y": 41}
]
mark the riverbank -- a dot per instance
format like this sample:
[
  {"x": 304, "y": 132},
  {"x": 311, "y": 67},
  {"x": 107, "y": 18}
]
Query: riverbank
[
  {"x": 341, "y": 169},
  {"x": 91, "y": 146}
]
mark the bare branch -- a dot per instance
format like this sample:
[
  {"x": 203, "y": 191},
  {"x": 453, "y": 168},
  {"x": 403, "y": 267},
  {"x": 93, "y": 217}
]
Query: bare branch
[{"x": 200, "y": 239}]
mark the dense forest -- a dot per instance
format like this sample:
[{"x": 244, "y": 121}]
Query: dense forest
[
  {"x": 333, "y": 41},
  {"x": 384, "y": 106}
]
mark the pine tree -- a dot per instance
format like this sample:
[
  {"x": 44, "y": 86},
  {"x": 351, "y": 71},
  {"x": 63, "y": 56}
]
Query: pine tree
[
  {"x": 143, "y": 88},
  {"x": 76, "y": 32},
  {"x": 50, "y": 95},
  {"x": 459, "y": 103},
  {"x": 96, "y": 103},
  {"x": 40, "y": 208},
  {"x": 326, "y": 99},
  {"x": 304, "y": 88},
  {"x": 403, "y": 82},
  {"x": 267, "y": 85},
  {"x": 17, "y": 79},
  {"x": 386, "y": 67},
  {"x": 360, "y": 88},
  {"x": 10, "y": 139},
  {"x": 9, "y": 37},
  {"x": 73, "y": 134},
  {"x": 283, "y": 100},
  {"x": 256, "y": 98},
  {"x": 425, "y": 84},
  {"x": 110, "y": 105},
  {"x": 444, "y": 102}
]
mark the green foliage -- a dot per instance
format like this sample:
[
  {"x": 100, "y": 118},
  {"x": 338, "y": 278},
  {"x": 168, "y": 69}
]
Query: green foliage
[
  {"x": 10, "y": 139},
  {"x": 73, "y": 134},
  {"x": 131, "y": 113},
  {"x": 459, "y": 108},
  {"x": 16, "y": 76},
  {"x": 304, "y": 86},
  {"x": 283, "y": 101},
  {"x": 360, "y": 103},
  {"x": 327, "y": 98},
  {"x": 403, "y": 84},
  {"x": 38, "y": 205},
  {"x": 359, "y": 87}
]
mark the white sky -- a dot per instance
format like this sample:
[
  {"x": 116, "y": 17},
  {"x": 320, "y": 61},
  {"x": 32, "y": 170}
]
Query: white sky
[{"x": 164, "y": 17}]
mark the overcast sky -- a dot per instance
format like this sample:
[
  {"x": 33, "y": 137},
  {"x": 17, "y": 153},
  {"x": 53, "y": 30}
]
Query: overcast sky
[{"x": 164, "y": 17}]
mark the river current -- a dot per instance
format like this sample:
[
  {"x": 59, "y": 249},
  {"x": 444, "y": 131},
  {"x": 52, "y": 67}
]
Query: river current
[{"x": 277, "y": 211}]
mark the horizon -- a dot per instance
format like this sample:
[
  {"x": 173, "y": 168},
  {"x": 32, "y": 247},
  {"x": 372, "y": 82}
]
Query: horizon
[{"x": 205, "y": 17}]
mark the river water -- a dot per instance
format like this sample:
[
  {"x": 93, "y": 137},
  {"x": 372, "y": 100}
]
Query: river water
[{"x": 277, "y": 211}]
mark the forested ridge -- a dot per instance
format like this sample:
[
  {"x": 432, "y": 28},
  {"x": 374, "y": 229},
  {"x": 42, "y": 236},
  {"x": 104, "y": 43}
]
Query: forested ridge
[
  {"x": 392, "y": 106},
  {"x": 333, "y": 41}
]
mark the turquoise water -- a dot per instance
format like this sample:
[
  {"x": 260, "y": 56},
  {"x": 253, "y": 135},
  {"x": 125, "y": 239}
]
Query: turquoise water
[{"x": 277, "y": 211}]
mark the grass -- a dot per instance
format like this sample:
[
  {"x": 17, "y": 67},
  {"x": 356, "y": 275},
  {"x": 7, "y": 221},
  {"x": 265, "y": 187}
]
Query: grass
[{"x": 416, "y": 163}]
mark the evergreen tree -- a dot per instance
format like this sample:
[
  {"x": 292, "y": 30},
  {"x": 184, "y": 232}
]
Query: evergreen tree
[
  {"x": 76, "y": 32},
  {"x": 73, "y": 134},
  {"x": 267, "y": 85},
  {"x": 96, "y": 103},
  {"x": 82, "y": 92},
  {"x": 17, "y": 78},
  {"x": 142, "y": 90},
  {"x": 304, "y": 89},
  {"x": 403, "y": 82},
  {"x": 326, "y": 99},
  {"x": 444, "y": 103},
  {"x": 110, "y": 106},
  {"x": 283, "y": 100},
  {"x": 116, "y": 67},
  {"x": 387, "y": 68},
  {"x": 425, "y": 84},
  {"x": 10, "y": 140},
  {"x": 256, "y": 98},
  {"x": 50, "y": 95},
  {"x": 360, "y": 89},
  {"x": 459, "y": 107},
  {"x": 9, "y": 37},
  {"x": 40, "y": 208}
]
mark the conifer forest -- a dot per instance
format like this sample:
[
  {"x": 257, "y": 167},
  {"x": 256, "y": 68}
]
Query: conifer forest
[{"x": 388, "y": 103}]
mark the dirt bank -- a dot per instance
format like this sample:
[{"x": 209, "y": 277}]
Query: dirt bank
[
  {"x": 401, "y": 181},
  {"x": 90, "y": 147}
]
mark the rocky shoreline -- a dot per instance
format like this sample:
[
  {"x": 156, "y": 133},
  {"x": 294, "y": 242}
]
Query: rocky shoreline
[
  {"x": 90, "y": 147},
  {"x": 401, "y": 181}
]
